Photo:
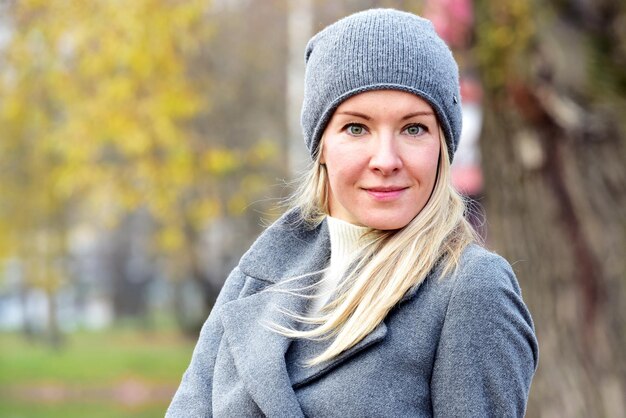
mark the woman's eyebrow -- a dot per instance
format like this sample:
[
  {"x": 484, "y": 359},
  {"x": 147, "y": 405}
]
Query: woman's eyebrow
[
  {"x": 421, "y": 113},
  {"x": 357, "y": 114}
]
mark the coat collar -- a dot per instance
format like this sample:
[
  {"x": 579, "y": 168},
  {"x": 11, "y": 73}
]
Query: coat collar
[
  {"x": 302, "y": 350},
  {"x": 270, "y": 365},
  {"x": 287, "y": 249},
  {"x": 259, "y": 353}
]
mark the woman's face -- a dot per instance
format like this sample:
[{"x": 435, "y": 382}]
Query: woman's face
[{"x": 381, "y": 151}]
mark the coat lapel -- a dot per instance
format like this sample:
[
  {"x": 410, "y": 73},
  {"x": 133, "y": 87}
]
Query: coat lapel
[
  {"x": 302, "y": 350},
  {"x": 259, "y": 353},
  {"x": 284, "y": 251}
]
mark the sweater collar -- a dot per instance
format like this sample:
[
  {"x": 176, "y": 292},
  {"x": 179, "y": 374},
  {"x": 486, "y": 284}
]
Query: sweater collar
[{"x": 344, "y": 240}]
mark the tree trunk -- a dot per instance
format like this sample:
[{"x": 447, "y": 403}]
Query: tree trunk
[
  {"x": 54, "y": 337},
  {"x": 554, "y": 152}
]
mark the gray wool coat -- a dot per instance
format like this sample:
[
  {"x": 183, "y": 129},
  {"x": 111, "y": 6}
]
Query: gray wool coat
[{"x": 459, "y": 346}]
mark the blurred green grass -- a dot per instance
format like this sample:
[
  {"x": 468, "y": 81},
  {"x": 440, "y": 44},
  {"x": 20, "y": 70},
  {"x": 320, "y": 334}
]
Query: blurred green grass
[
  {"x": 104, "y": 357},
  {"x": 12, "y": 409},
  {"x": 117, "y": 373}
]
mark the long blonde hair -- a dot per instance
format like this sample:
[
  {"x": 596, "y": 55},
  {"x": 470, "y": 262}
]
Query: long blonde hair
[{"x": 390, "y": 262}]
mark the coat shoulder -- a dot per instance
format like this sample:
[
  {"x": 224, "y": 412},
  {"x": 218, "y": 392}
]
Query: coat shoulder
[
  {"x": 480, "y": 268},
  {"x": 487, "y": 336}
]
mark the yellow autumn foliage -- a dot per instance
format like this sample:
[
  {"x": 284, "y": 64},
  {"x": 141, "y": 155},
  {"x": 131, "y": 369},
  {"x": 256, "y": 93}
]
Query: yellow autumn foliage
[{"x": 97, "y": 104}]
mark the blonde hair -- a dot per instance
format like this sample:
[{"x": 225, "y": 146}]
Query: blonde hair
[{"x": 390, "y": 262}]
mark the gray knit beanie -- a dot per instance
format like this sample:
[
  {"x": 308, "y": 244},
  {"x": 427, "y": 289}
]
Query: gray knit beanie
[{"x": 374, "y": 50}]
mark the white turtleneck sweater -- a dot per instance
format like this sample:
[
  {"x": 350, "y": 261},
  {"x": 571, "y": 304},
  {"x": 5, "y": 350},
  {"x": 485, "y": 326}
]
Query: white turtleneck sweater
[{"x": 344, "y": 241}]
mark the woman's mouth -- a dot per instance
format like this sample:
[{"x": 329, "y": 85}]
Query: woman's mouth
[{"x": 385, "y": 194}]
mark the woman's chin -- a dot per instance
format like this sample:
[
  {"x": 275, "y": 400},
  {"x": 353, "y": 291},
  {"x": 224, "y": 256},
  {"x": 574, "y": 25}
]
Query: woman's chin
[{"x": 385, "y": 223}]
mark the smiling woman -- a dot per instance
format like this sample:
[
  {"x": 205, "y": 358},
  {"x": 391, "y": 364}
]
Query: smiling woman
[
  {"x": 381, "y": 151},
  {"x": 370, "y": 297}
]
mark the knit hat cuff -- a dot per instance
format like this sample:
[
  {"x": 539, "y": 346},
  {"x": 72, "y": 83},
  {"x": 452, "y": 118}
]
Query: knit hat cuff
[{"x": 330, "y": 110}]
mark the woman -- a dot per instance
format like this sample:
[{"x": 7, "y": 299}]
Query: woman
[{"x": 369, "y": 297}]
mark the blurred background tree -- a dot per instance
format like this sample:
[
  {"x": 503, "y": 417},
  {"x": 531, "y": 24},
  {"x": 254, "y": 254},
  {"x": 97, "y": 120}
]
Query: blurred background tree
[
  {"x": 107, "y": 114},
  {"x": 555, "y": 144},
  {"x": 140, "y": 143}
]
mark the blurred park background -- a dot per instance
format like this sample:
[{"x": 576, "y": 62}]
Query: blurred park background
[{"x": 144, "y": 144}]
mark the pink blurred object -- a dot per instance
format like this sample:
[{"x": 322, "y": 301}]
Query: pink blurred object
[
  {"x": 467, "y": 176},
  {"x": 468, "y": 180},
  {"x": 471, "y": 90},
  {"x": 453, "y": 20}
]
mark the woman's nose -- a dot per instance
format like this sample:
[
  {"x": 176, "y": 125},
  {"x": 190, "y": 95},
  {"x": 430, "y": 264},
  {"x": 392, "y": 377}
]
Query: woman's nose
[{"x": 385, "y": 157}]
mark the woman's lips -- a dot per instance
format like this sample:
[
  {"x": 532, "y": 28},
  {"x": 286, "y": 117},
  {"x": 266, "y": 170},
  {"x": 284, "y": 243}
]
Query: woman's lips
[{"x": 385, "y": 194}]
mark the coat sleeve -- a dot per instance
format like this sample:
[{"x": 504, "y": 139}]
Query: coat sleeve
[
  {"x": 193, "y": 397},
  {"x": 487, "y": 352}
]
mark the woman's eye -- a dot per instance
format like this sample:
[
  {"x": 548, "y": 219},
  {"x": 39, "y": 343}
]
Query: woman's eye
[
  {"x": 415, "y": 130},
  {"x": 355, "y": 129}
]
